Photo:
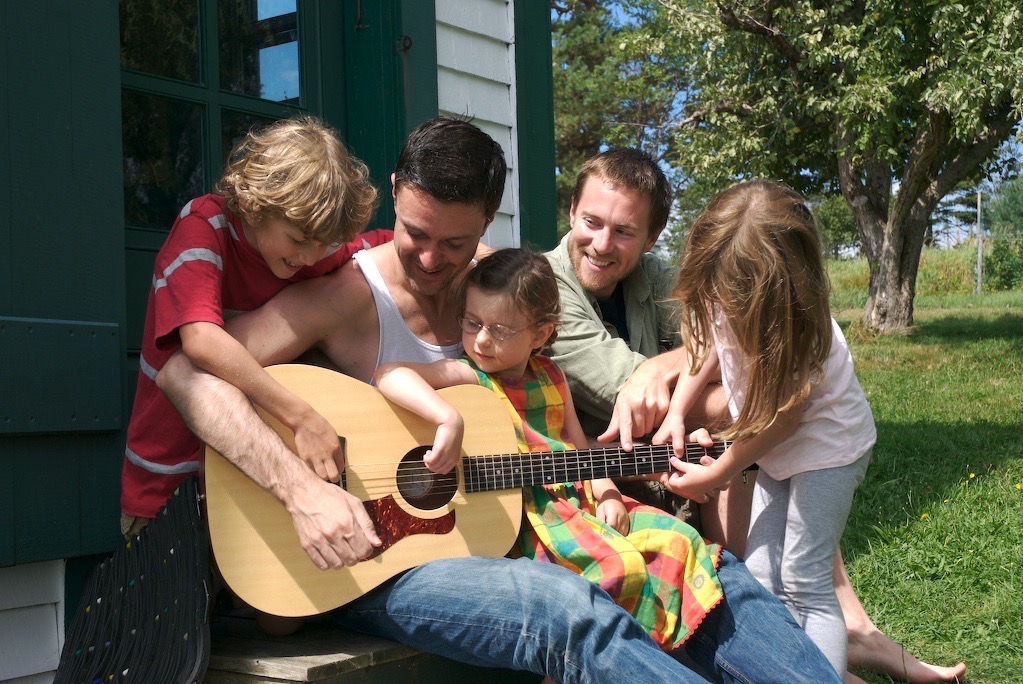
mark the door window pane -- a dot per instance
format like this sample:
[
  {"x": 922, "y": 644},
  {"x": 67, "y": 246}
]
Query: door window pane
[
  {"x": 259, "y": 49},
  {"x": 161, "y": 37},
  {"x": 163, "y": 168}
]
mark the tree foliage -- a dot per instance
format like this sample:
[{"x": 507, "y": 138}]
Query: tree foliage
[
  {"x": 1005, "y": 210},
  {"x": 894, "y": 103},
  {"x": 837, "y": 225},
  {"x": 1003, "y": 265},
  {"x": 613, "y": 87}
]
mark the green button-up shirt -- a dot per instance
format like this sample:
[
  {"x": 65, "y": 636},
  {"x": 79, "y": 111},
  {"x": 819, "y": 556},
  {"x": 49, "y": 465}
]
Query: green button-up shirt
[{"x": 595, "y": 358}]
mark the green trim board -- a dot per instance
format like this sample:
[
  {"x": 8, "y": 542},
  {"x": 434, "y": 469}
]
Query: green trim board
[
  {"x": 419, "y": 61},
  {"x": 376, "y": 103},
  {"x": 534, "y": 86},
  {"x": 6, "y": 258},
  {"x": 8, "y": 455},
  {"x": 332, "y": 98}
]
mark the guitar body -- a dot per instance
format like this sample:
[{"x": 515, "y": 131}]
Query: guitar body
[{"x": 420, "y": 517}]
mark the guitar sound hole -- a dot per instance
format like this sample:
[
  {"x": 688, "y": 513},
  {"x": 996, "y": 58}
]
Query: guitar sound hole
[{"x": 421, "y": 487}]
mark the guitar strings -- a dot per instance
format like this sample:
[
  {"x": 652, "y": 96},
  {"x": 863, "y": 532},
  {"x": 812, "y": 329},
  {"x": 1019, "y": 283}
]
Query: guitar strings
[
  {"x": 545, "y": 459},
  {"x": 692, "y": 455},
  {"x": 522, "y": 469}
]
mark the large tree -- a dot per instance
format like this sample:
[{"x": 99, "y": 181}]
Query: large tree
[{"x": 892, "y": 102}]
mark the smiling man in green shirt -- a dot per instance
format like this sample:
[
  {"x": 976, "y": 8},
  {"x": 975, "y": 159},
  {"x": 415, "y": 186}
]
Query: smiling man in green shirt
[{"x": 616, "y": 318}]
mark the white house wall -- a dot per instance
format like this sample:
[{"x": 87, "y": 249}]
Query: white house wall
[
  {"x": 31, "y": 621},
  {"x": 476, "y": 78}
]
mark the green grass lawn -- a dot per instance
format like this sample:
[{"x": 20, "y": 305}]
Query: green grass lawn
[{"x": 934, "y": 544}]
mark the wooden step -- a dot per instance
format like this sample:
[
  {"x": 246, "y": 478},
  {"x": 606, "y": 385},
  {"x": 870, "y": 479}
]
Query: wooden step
[{"x": 321, "y": 653}]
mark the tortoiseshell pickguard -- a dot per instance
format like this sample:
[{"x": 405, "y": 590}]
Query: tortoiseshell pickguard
[{"x": 393, "y": 523}]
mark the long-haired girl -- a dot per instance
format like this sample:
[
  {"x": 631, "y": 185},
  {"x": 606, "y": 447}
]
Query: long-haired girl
[{"x": 754, "y": 291}]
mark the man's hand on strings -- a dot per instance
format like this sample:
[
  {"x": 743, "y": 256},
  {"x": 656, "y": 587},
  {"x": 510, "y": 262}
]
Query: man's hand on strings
[
  {"x": 641, "y": 403},
  {"x": 673, "y": 431}
]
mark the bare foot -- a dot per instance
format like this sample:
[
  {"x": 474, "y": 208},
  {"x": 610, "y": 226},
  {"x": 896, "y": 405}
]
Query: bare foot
[
  {"x": 850, "y": 678},
  {"x": 876, "y": 652}
]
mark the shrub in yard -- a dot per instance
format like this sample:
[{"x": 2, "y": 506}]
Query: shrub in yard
[{"x": 1003, "y": 266}]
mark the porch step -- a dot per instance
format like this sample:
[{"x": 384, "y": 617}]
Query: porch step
[{"x": 321, "y": 653}]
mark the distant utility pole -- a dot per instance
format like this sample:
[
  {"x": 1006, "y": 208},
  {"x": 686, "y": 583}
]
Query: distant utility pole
[{"x": 980, "y": 247}]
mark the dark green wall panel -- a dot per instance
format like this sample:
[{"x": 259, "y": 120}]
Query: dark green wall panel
[
  {"x": 7, "y": 513},
  {"x": 46, "y": 498},
  {"x": 64, "y": 132},
  {"x": 330, "y": 17},
  {"x": 6, "y": 452},
  {"x": 96, "y": 209},
  {"x": 40, "y": 145},
  {"x": 58, "y": 496},
  {"x": 62, "y": 262},
  {"x": 63, "y": 499},
  {"x": 98, "y": 460}
]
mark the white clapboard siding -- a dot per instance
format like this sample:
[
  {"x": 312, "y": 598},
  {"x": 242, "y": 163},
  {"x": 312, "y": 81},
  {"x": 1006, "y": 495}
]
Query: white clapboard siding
[
  {"x": 31, "y": 621},
  {"x": 473, "y": 53},
  {"x": 476, "y": 78},
  {"x": 486, "y": 17},
  {"x": 486, "y": 100}
]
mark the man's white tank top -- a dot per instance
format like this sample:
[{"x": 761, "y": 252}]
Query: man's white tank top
[{"x": 397, "y": 342}]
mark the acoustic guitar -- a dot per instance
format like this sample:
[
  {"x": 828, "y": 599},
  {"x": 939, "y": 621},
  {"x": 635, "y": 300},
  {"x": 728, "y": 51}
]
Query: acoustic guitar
[{"x": 420, "y": 516}]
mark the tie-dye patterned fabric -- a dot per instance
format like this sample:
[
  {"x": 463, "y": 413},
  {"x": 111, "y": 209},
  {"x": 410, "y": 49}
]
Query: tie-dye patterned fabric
[{"x": 662, "y": 571}]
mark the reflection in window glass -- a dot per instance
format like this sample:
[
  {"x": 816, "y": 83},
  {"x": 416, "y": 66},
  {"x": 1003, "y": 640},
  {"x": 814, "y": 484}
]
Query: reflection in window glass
[
  {"x": 280, "y": 63},
  {"x": 234, "y": 126},
  {"x": 161, "y": 37},
  {"x": 259, "y": 49},
  {"x": 162, "y": 158},
  {"x": 265, "y": 9}
]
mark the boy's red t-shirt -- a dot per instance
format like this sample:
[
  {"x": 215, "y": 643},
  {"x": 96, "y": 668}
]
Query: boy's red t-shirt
[{"x": 206, "y": 271}]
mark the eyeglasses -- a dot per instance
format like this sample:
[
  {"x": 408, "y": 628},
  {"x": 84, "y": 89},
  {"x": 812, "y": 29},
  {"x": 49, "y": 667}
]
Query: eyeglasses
[{"x": 497, "y": 331}]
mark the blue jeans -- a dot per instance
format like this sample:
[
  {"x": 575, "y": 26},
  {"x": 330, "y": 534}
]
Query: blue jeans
[
  {"x": 524, "y": 615},
  {"x": 751, "y": 637}
]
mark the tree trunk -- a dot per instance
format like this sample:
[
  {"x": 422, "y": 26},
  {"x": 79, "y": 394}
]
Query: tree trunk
[
  {"x": 891, "y": 229},
  {"x": 892, "y": 242},
  {"x": 893, "y": 272}
]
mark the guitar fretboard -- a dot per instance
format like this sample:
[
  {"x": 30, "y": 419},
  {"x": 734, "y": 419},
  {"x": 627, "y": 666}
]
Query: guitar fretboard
[{"x": 510, "y": 471}]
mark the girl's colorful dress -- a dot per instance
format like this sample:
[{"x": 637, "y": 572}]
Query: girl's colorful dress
[{"x": 662, "y": 571}]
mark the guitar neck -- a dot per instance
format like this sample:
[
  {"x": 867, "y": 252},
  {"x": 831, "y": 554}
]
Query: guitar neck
[{"x": 510, "y": 471}]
